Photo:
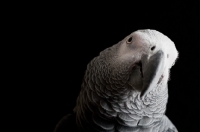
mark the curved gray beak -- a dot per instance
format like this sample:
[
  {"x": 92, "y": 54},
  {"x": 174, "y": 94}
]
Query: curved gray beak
[{"x": 153, "y": 69}]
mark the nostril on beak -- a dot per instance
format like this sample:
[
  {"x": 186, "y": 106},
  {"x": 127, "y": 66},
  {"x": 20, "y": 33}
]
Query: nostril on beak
[{"x": 152, "y": 48}]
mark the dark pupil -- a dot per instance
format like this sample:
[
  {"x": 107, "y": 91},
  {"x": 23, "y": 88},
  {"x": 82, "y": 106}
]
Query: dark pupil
[{"x": 130, "y": 39}]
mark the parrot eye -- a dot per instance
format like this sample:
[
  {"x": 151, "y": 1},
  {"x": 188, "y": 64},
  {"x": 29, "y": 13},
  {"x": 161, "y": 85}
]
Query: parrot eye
[{"x": 129, "y": 40}]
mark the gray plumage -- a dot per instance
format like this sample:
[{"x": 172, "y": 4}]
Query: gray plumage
[{"x": 125, "y": 88}]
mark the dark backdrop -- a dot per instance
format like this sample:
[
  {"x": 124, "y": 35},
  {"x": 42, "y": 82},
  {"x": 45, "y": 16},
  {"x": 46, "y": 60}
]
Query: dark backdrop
[{"x": 67, "y": 36}]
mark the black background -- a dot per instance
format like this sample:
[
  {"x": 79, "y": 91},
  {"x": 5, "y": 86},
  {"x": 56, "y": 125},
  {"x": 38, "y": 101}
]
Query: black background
[{"x": 62, "y": 38}]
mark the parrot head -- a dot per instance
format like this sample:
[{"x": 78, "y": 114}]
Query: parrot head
[{"x": 142, "y": 60}]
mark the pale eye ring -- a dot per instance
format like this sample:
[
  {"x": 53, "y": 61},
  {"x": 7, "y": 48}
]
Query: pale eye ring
[{"x": 129, "y": 40}]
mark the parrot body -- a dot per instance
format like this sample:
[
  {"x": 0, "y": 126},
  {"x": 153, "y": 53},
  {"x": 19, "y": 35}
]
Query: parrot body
[{"x": 125, "y": 88}]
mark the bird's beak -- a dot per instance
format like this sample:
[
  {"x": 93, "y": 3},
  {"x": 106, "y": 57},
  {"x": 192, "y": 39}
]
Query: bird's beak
[{"x": 153, "y": 69}]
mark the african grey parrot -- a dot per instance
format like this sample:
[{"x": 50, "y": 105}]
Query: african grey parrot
[{"x": 125, "y": 88}]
